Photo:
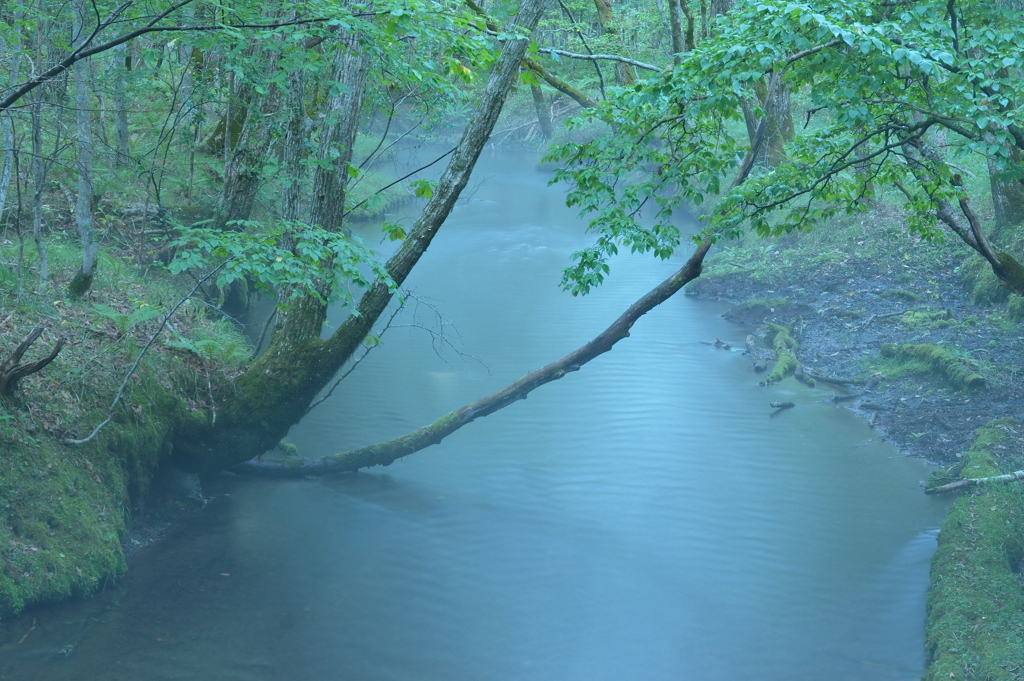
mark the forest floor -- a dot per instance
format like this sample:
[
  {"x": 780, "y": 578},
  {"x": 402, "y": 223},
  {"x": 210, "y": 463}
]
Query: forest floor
[{"x": 866, "y": 282}]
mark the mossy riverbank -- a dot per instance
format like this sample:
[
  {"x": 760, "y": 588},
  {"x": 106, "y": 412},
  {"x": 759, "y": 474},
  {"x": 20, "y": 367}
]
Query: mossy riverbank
[{"x": 65, "y": 508}]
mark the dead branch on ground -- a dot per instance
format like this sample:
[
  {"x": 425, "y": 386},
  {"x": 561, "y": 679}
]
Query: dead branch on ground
[{"x": 12, "y": 370}]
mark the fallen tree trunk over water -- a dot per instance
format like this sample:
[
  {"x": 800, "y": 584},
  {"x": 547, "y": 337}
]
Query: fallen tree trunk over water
[{"x": 385, "y": 453}]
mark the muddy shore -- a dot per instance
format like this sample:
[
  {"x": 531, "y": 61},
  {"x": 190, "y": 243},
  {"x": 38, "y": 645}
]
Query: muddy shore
[{"x": 845, "y": 303}]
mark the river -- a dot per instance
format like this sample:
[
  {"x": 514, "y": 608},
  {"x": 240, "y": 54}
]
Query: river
[{"x": 644, "y": 518}]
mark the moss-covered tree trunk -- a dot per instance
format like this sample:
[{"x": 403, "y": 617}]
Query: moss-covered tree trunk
[{"x": 274, "y": 393}]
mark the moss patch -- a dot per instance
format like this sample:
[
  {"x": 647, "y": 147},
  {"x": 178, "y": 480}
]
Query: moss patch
[
  {"x": 975, "y": 619},
  {"x": 786, "y": 363},
  {"x": 927, "y": 320},
  {"x": 903, "y": 295},
  {"x": 958, "y": 372}
]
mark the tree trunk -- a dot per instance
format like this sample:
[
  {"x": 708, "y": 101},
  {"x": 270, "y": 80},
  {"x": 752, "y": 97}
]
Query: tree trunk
[
  {"x": 274, "y": 393},
  {"x": 7, "y": 132},
  {"x": 543, "y": 114},
  {"x": 779, "y": 128},
  {"x": 294, "y": 146},
  {"x": 82, "y": 282},
  {"x": 682, "y": 39},
  {"x": 122, "y": 145},
  {"x": 675, "y": 14},
  {"x": 330, "y": 180},
  {"x": 606, "y": 19},
  {"x": 38, "y": 179},
  {"x": 1007, "y": 194},
  {"x": 305, "y": 317}
]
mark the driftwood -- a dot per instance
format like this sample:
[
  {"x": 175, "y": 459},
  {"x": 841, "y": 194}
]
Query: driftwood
[
  {"x": 759, "y": 363},
  {"x": 835, "y": 399},
  {"x": 781, "y": 405},
  {"x": 971, "y": 482},
  {"x": 886, "y": 315},
  {"x": 837, "y": 381},
  {"x": 802, "y": 376},
  {"x": 12, "y": 370}
]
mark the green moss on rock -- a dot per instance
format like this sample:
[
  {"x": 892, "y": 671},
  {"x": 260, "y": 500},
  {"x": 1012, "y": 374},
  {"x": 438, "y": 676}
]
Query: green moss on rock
[{"x": 975, "y": 614}]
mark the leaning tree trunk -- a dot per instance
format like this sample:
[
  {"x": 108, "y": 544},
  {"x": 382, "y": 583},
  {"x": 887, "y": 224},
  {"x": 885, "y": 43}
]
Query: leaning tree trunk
[
  {"x": 82, "y": 282},
  {"x": 385, "y": 453},
  {"x": 274, "y": 393}
]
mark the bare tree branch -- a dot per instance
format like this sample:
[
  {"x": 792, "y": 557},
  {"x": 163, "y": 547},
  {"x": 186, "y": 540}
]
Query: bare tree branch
[
  {"x": 971, "y": 482},
  {"x": 12, "y": 370},
  {"x": 151, "y": 27}
]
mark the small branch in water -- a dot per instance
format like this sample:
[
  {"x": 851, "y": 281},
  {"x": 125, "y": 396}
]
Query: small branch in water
[
  {"x": 835, "y": 399},
  {"x": 33, "y": 628}
]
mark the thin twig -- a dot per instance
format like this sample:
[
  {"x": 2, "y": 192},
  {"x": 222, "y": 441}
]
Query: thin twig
[
  {"x": 263, "y": 334},
  {"x": 361, "y": 357},
  {"x": 404, "y": 177},
  {"x": 135, "y": 365}
]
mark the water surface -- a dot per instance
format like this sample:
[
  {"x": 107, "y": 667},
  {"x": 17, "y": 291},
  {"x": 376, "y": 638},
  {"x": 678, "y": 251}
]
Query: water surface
[{"x": 644, "y": 518}]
